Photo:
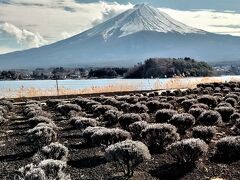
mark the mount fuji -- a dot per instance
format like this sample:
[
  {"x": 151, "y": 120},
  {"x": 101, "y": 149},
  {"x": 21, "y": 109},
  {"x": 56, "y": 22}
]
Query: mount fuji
[{"x": 126, "y": 39}]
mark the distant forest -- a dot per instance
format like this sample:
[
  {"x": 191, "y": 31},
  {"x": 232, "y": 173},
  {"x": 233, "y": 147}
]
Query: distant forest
[
  {"x": 151, "y": 68},
  {"x": 160, "y": 68}
]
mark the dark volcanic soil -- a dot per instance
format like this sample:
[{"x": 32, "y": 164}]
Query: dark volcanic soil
[{"x": 88, "y": 163}]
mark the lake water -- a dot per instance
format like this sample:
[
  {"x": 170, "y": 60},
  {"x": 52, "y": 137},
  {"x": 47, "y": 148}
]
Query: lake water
[{"x": 30, "y": 88}]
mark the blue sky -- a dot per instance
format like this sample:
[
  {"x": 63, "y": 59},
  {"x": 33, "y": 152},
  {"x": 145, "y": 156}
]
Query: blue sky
[{"x": 33, "y": 23}]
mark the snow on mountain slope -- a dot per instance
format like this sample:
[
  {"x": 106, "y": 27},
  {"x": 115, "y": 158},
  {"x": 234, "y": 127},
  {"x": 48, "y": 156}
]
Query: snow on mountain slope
[
  {"x": 141, "y": 18},
  {"x": 126, "y": 39}
]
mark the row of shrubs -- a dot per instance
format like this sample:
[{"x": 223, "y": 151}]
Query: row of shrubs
[{"x": 50, "y": 159}]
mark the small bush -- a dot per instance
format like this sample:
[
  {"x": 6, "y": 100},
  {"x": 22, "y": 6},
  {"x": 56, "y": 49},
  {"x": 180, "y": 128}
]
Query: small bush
[
  {"x": 138, "y": 108},
  {"x": 164, "y": 115},
  {"x": 224, "y": 104},
  {"x": 109, "y": 136},
  {"x": 52, "y": 103},
  {"x": 126, "y": 119},
  {"x": 210, "y": 118},
  {"x": 228, "y": 149},
  {"x": 232, "y": 101},
  {"x": 3, "y": 111},
  {"x": 196, "y": 112},
  {"x": 8, "y": 104},
  {"x": 101, "y": 109},
  {"x": 200, "y": 105},
  {"x": 234, "y": 117},
  {"x": 89, "y": 131},
  {"x": 158, "y": 136},
  {"x": 145, "y": 117},
  {"x": 41, "y": 136},
  {"x": 129, "y": 154},
  {"x": 225, "y": 112},
  {"x": 111, "y": 117},
  {"x": 153, "y": 105},
  {"x": 83, "y": 122},
  {"x": 165, "y": 105},
  {"x": 231, "y": 95},
  {"x": 187, "y": 151},
  {"x": 236, "y": 127},
  {"x": 2, "y": 120},
  {"x": 54, "y": 169},
  {"x": 41, "y": 119},
  {"x": 182, "y": 121},
  {"x": 205, "y": 133},
  {"x": 209, "y": 100},
  {"x": 186, "y": 104},
  {"x": 64, "y": 109},
  {"x": 136, "y": 128},
  {"x": 55, "y": 151}
]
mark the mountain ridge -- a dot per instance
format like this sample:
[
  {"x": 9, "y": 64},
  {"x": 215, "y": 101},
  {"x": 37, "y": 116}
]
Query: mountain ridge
[{"x": 126, "y": 39}]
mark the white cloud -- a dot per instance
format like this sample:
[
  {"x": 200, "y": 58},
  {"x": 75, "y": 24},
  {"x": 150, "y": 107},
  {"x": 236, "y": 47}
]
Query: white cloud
[
  {"x": 23, "y": 36},
  {"x": 208, "y": 20}
]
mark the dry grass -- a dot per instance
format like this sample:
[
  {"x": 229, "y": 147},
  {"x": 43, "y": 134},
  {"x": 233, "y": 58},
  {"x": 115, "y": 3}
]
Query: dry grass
[{"x": 120, "y": 85}]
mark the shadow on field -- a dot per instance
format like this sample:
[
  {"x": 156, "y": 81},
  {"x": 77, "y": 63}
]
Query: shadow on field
[
  {"x": 87, "y": 162},
  {"x": 171, "y": 171},
  {"x": 16, "y": 157},
  {"x": 82, "y": 145}
]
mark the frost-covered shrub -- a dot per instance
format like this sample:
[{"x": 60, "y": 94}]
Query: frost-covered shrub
[
  {"x": 179, "y": 100},
  {"x": 234, "y": 117},
  {"x": 64, "y": 109},
  {"x": 232, "y": 101},
  {"x": 55, "y": 151},
  {"x": 224, "y": 104},
  {"x": 8, "y": 104},
  {"x": 164, "y": 115},
  {"x": 126, "y": 119},
  {"x": 2, "y": 120},
  {"x": 188, "y": 151},
  {"x": 236, "y": 127},
  {"x": 196, "y": 112},
  {"x": 205, "y": 133},
  {"x": 231, "y": 95},
  {"x": 158, "y": 136},
  {"x": 228, "y": 149},
  {"x": 136, "y": 128},
  {"x": 111, "y": 117},
  {"x": 225, "y": 112},
  {"x": 52, "y": 103},
  {"x": 31, "y": 172},
  {"x": 41, "y": 119},
  {"x": 83, "y": 122},
  {"x": 101, "y": 109},
  {"x": 41, "y": 136},
  {"x": 165, "y": 105},
  {"x": 209, "y": 100},
  {"x": 138, "y": 108},
  {"x": 145, "y": 116},
  {"x": 129, "y": 154},
  {"x": 3, "y": 111},
  {"x": 54, "y": 169},
  {"x": 200, "y": 105},
  {"x": 33, "y": 113},
  {"x": 210, "y": 118},
  {"x": 125, "y": 107},
  {"x": 186, "y": 104},
  {"x": 153, "y": 105},
  {"x": 89, "y": 131},
  {"x": 109, "y": 136},
  {"x": 182, "y": 121}
]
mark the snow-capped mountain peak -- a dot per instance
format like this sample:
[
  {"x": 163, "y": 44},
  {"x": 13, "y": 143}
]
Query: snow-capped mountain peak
[{"x": 141, "y": 17}]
